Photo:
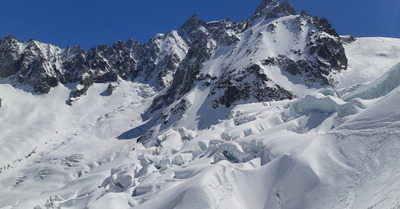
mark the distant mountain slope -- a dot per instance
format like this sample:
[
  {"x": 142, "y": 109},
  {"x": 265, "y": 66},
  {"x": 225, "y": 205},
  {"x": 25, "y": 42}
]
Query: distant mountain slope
[
  {"x": 200, "y": 68},
  {"x": 300, "y": 45}
]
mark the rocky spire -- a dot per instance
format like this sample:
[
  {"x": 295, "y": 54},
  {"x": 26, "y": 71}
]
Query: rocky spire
[
  {"x": 188, "y": 30},
  {"x": 191, "y": 24},
  {"x": 265, "y": 7},
  {"x": 274, "y": 9}
]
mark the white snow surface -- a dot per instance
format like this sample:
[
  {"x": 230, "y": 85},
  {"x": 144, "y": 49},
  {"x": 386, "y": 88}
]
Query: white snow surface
[
  {"x": 330, "y": 148},
  {"x": 369, "y": 58}
]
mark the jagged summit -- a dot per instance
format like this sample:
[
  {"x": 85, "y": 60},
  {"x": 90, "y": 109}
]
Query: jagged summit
[
  {"x": 191, "y": 23},
  {"x": 189, "y": 27},
  {"x": 176, "y": 62},
  {"x": 274, "y": 9},
  {"x": 9, "y": 37},
  {"x": 266, "y": 6}
]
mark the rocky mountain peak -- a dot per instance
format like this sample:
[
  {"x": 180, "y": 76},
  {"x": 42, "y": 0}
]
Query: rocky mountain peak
[
  {"x": 8, "y": 38},
  {"x": 193, "y": 21},
  {"x": 190, "y": 26},
  {"x": 274, "y": 9},
  {"x": 190, "y": 57},
  {"x": 9, "y": 42},
  {"x": 266, "y": 5}
]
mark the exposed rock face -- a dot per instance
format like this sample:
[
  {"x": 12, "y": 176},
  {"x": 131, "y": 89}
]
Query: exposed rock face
[
  {"x": 248, "y": 83},
  {"x": 324, "y": 53},
  {"x": 202, "y": 39},
  {"x": 9, "y": 56},
  {"x": 274, "y": 9},
  {"x": 110, "y": 89},
  {"x": 44, "y": 66},
  {"x": 348, "y": 39}
]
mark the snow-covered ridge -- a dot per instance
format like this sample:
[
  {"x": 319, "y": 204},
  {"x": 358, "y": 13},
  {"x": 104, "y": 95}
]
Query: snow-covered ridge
[
  {"x": 380, "y": 87},
  {"x": 369, "y": 58},
  {"x": 275, "y": 30},
  {"x": 44, "y": 66},
  {"x": 265, "y": 59}
]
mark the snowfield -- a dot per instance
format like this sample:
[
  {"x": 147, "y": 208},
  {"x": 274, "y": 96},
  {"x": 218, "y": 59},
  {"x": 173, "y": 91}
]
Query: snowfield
[
  {"x": 369, "y": 58},
  {"x": 331, "y": 148}
]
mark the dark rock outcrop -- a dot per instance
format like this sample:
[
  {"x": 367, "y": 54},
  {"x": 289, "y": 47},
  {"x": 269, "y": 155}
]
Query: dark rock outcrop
[
  {"x": 246, "y": 84},
  {"x": 348, "y": 39},
  {"x": 274, "y": 9},
  {"x": 110, "y": 89}
]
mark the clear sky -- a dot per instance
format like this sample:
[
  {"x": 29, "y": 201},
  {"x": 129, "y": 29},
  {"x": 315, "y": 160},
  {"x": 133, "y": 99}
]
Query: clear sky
[{"x": 94, "y": 22}]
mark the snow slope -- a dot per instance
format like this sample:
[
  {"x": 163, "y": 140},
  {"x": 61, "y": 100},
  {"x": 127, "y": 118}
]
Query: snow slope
[
  {"x": 55, "y": 144},
  {"x": 369, "y": 58},
  {"x": 330, "y": 148},
  {"x": 380, "y": 87}
]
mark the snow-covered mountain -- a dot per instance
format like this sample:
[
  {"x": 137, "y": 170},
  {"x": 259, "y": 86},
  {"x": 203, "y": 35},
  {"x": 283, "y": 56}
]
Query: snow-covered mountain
[
  {"x": 301, "y": 45},
  {"x": 277, "y": 111}
]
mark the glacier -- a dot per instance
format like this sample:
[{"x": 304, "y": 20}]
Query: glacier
[{"x": 256, "y": 128}]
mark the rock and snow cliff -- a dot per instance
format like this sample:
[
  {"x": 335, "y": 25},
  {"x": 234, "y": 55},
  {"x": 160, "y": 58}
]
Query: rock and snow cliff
[
  {"x": 265, "y": 58},
  {"x": 269, "y": 112},
  {"x": 300, "y": 45}
]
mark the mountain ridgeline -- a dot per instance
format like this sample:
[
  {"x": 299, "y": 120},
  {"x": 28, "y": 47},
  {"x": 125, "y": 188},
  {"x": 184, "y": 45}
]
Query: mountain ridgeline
[{"x": 231, "y": 61}]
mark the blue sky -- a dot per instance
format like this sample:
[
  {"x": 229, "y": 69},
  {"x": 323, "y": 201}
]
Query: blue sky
[{"x": 91, "y": 23}]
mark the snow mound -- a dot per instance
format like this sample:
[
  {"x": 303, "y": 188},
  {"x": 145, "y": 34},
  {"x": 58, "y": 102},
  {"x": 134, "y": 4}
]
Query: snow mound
[
  {"x": 317, "y": 102},
  {"x": 380, "y": 87},
  {"x": 369, "y": 58}
]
